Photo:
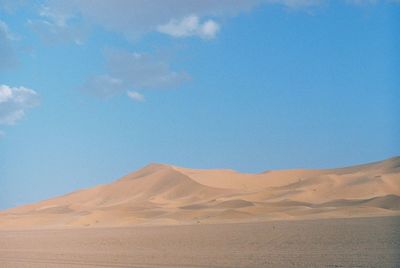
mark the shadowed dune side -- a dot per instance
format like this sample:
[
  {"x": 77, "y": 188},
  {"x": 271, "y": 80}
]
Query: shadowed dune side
[
  {"x": 165, "y": 194},
  {"x": 391, "y": 202}
]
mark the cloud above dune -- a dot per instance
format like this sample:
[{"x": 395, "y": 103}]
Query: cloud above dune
[
  {"x": 132, "y": 71},
  {"x": 72, "y": 20},
  {"x": 135, "y": 17},
  {"x": 14, "y": 102},
  {"x": 176, "y": 18}
]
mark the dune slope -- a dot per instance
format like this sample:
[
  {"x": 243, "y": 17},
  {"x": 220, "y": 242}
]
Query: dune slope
[{"x": 165, "y": 194}]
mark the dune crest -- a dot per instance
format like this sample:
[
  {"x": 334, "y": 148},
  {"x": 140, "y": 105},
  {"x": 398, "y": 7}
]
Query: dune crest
[{"x": 165, "y": 194}]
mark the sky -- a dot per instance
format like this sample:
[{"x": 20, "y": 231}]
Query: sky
[{"x": 93, "y": 90}]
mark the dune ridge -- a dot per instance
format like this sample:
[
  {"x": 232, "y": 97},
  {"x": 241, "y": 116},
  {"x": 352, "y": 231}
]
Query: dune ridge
[{"x": 166, "y": 194}]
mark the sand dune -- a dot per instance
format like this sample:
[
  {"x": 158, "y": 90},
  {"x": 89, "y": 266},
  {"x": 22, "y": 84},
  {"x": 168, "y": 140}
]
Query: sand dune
[
  {"x": 391, "y": 202},
  {"x": 165, "y": 194}
]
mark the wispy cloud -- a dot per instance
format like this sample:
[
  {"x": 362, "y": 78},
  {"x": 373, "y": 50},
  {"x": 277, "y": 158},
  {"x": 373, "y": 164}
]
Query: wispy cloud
[
  {"x": 70, "y": 20},
  {"x": 136, "y": 96},
  {"x": 6, "y": 31},
  {"x": 133, "y": 18},
  {"x": 7, "y": 53},
  {"x": 103, "y": 86},
  {"x": 190, "y": 26},
  {"x": 133, "y": 71},
  {"x": 55, "y": 26},
  {"x": 142, "y": 70},
  {"x": 14, "y": 102}
]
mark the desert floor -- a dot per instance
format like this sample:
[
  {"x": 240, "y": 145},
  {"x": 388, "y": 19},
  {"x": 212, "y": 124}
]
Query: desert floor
[{"x": 362, "y": 242}]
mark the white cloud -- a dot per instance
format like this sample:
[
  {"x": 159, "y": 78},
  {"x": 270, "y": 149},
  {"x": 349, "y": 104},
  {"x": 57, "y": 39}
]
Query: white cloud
[
  {"x": 190, "y": 26},
  {"x": 136, "y": 96},
  {"x": 133, "y": 71},
  {"x": 14, "y": 101},
  {"x": 209, "y": 29},
  {"x": 135, "y": 17}
]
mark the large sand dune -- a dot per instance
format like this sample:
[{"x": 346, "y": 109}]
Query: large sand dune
[{"x": 165, "y": 194}]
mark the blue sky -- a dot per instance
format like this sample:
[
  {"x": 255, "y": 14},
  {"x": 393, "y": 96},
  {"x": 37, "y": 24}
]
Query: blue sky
[{"x": 91, "y": 92}]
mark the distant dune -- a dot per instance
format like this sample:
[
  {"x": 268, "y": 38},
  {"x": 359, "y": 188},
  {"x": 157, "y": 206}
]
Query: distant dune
[{"x": 165, "y": 194}]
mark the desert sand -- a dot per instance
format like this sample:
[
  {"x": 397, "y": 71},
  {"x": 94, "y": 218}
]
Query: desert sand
[
  {"x": 160, "y": 194},
  {"x": 361, "y": 242}
]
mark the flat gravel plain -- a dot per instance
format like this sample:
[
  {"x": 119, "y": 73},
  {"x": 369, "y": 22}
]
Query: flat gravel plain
[{"x": 362, "y": 242}]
